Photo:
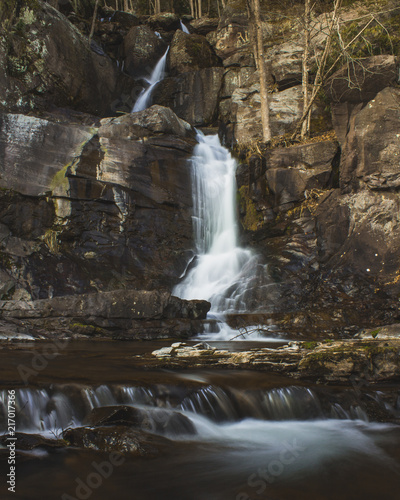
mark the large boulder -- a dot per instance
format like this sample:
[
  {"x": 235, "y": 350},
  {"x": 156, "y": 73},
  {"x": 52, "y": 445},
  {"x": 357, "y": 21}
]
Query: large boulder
[
  {"x": 142, "y": 49},
  {"x": 47, "y": 62},
  {"x": 371, "y": 151},
  {"x": 190, "y": 53},
  {"x": 193, "y": 96},
  {"x": 100, "y": 205}
]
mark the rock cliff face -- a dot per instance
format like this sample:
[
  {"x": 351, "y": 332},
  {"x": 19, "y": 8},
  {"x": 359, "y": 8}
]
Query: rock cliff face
[
  {"x": 95, "y": 199},
  {"x": 97, "y": 206}
]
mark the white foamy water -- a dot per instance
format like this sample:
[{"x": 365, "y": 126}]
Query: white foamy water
[
  {"x": 184, "y": 29},
  {"x": 224, "y": 272},
  {"x": 144, "y": 99}
]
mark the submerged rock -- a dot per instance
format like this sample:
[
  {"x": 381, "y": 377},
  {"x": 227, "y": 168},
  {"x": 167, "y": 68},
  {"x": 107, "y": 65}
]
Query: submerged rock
[
  {"x": 118, "y": 439},
  {"x": 156, "y": 420}
]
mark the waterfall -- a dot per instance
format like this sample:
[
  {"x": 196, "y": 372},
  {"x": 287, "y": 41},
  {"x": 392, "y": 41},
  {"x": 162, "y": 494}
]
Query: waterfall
[
  {"x": 183, "y": 28},
  {"x": 144, "y": 99},
  {"x": 224, "y": 273}
]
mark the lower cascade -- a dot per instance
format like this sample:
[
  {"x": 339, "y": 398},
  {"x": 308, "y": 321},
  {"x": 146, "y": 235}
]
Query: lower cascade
[{"x": 223, "y": 272}]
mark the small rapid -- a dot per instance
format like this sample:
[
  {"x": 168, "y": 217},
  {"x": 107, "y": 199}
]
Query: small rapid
[{"x": 50, "y": 410}]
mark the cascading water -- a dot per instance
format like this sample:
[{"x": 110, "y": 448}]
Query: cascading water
[
  {"x": 144, "y": 99},
  {"x": 184, "y": 29},
  {"x": 230, "y": 437},
  {"x": 224, "y": 272}
]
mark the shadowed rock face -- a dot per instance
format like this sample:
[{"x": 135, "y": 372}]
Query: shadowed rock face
[
  {"x": 193, "y": 96},
  {"x": 142, "y": 49},
  {"x": 363, "y": 80},
  {"x": 99, "y": 207},
  {"x": 49, "y": 63}
]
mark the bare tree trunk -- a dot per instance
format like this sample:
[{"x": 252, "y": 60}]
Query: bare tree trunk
[
  {"x": 305, "y": 129},
  {"x": 254, "y": 6},
  {"x": 200, "y": 10},
  {"x": 192, "y": 8},
  {"x": 93, "y": 21},
  {"x": 318, "y": 81}
]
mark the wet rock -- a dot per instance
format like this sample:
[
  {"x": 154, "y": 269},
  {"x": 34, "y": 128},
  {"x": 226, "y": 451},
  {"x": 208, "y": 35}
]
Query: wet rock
[
  {"x": 49, "y": 63},
  {"x": 118, "y": 439},
  {"x": 290, "y": 185},
  {"x": 193, "y": 96},
  {"x": 317, "y": 154},
  {"x": 371, "y": 151},
  {"x": 328, "y": 362},
  {"x": 381, "y": 333},
  {"x": 157, "y": 420},
  {"x": 34, "y": 441},
  {"x": 142, "y": 49},
  {"x": 124, "y": 304},
  {"x": 362, "y": 81},
  {"x": 190, "y": 53}
]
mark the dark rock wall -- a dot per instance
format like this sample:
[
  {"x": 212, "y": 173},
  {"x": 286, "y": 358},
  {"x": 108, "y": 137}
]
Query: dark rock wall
[{"x": 109, "y": 208}]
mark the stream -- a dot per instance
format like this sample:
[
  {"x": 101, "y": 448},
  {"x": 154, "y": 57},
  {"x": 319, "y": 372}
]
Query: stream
[{"x": 217, "y": 434}]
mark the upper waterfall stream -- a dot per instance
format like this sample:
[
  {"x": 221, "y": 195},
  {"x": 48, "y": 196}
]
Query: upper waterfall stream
[
  {"x": 144, "y": 99},
  {"x": 224, "y": 272}
]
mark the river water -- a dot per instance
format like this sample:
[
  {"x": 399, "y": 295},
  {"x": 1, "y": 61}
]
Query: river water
[{"x": 257, "y": 435}]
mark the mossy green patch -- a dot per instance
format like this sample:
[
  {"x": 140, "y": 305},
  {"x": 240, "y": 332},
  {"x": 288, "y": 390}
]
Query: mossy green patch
[
  {"x": 374, "y": 333},
  {"x": 60, "y": 179},
  {"x": 309, "y": 345},
  {"x": 252, "y": 219}
]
